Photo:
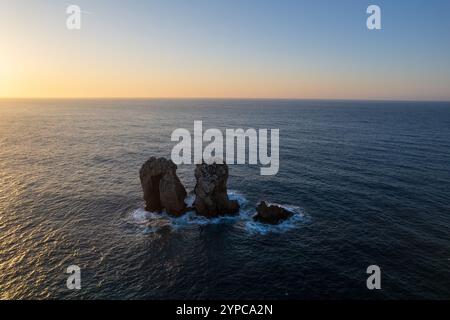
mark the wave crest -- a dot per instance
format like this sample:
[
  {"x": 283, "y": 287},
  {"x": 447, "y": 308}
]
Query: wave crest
[{"x": 153, "y": 222}]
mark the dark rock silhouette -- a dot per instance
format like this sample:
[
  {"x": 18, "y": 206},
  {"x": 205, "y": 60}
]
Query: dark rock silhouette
[
  {"x": 162, "y": 187},
  {"x": 211, "y": 198},
  {"x": 272, "y": 214}
]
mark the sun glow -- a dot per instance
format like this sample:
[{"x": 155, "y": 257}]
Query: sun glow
[{"x": 199, "y": 56}]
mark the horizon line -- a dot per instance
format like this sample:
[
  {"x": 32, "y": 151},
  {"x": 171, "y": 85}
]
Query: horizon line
[{"x": 228, "y": 98}]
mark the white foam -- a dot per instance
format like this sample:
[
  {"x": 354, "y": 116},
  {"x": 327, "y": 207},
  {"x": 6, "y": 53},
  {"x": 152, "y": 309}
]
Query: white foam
[
  {"x": 263, "y": 228},
  {"x": 190, "y": 200},
  {"x": 152, "y": 222},
  {"x": 140, "y": 216},
  {"x": 236, "y": 195}
]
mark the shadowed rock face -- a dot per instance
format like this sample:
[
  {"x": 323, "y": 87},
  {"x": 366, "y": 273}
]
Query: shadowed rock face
[
  {"x": 162, "y": 187},
  {"x": 271, "y": 214},
  {"x": 211, "y": 198}
]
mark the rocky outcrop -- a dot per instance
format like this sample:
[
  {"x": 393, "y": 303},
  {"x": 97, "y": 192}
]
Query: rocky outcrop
[
  {"x": 271, "y": 214},
  {"x": 211, "y": 198},
  {"x": 162, "y": 187}
]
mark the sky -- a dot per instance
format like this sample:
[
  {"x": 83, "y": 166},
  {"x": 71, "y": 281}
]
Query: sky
[{"x": 305, "y": 49}]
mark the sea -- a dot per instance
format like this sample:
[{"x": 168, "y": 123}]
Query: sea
[{"x": 369, "y": 182}]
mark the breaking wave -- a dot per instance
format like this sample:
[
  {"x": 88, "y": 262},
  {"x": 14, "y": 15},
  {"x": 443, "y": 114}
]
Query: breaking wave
[
  {"x": 153, "y": 222},
  {"x": 289, "y": 224}
]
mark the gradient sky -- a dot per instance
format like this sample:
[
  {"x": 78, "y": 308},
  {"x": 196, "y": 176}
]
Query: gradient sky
[{"x": 226, "y": 48}]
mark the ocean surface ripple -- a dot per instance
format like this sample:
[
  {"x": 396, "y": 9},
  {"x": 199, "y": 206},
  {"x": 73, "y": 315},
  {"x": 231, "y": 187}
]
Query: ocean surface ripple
[{"x": 370, "y": 182}]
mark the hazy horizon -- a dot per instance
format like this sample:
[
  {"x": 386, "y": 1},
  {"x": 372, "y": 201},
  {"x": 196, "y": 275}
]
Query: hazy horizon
[{"x": 223, "y": 98}]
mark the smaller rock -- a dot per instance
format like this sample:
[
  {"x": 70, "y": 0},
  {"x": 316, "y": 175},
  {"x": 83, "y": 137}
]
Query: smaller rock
[{"x": 272, "y": 214}]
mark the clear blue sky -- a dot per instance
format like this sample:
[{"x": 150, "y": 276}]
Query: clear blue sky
[{"x": 226, "y": 48}]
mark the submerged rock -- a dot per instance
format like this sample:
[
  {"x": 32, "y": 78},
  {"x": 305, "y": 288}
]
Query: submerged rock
[
  {"x": 162, "y": 187},
  {"x": 211, "y": 197},
  {"x": 272, "y": 214}
]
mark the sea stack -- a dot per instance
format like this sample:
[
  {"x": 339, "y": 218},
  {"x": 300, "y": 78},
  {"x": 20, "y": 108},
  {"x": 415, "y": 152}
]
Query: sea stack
[
  {"x": 162, "y": 187},
  {"x": 271, "y": 214},
  {"x": 211, "y": 198}
]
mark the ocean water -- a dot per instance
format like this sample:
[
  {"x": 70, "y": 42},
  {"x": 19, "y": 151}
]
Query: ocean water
[{"x": 370, "y": 182}]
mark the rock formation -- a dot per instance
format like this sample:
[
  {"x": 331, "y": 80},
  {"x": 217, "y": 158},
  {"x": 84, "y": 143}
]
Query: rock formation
[
  {"x": 162, "y": 187},
  {"x": 211, "y": 198},
  {"x": 272, "y": 214},
  {"x": 164, "y": 191}
]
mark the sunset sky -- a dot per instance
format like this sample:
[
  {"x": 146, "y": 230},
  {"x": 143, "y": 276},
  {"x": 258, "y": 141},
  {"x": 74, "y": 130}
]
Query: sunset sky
[{"x": 226, "y": 48}]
